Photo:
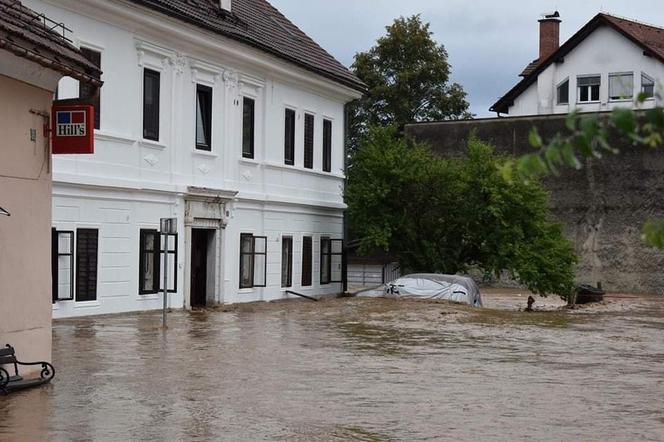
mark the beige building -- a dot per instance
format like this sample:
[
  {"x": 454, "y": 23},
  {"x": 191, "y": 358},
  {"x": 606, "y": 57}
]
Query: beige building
[{"x": 33, "y": 58}]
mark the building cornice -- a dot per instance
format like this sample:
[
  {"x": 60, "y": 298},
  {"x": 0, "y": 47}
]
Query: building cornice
[{"x": 189, "y": 38}]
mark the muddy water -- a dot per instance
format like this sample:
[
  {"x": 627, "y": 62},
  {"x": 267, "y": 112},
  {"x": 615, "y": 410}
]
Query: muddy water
[{"x": 354, "y": 369}]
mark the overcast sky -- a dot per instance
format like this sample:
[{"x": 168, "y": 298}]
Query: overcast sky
[{"x": 489, "y": 41}]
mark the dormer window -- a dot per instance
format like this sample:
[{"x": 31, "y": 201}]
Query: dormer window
[
  {"x": 588, "y": 88},
  {"x": 562, "y": 92},
  {"x": 647, "y": 86},
  {"x": 621, "y": 86}
]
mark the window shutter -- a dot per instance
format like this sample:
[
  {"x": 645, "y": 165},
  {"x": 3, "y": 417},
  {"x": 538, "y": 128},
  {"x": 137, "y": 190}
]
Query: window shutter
[
  {"x": 309, "y": 141},
  {"x": 325, "y": 263},
  {"x": 86, "y": 264},
  {"x": 286, "y": 261},
  {"x": 89, "y": 92},
  {"x": 54, "y": 265},
  {"x": 260, "y": 261},
  {"x": 307, "y": 251}
]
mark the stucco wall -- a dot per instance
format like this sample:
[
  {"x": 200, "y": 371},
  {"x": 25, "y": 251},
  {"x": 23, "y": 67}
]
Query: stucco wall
[
  {"x": 25, "y": 236},
  {"x": 603, "y": 206},
  {"x": 130, "y": 182},
  {"x": 603, "y": 52}
]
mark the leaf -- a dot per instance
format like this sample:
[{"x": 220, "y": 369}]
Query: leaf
[
  {"x": 570, "y": 158},
  {"x": 624, "y": 120},
  {"x": 570, "y": 121},
  {"x": 653, "y": 233},
  {"x": 535, "y": 139}
]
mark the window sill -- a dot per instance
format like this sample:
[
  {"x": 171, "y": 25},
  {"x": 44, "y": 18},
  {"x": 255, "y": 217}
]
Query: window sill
[
  {"x": 304, "y": 170},
  {"x": 105, "y": 136},
  {"x": 588, "y": 102},
  {"x": 87, "y": 304},
  {"x": 204, "y": 153},
  {"x": 151, "y": 144},
  {"x": 246, "y": 290},
  {"x": 149, "y": 297},
  {"x": 621, "y": 100},
  {"x": 250, "y": 161}
]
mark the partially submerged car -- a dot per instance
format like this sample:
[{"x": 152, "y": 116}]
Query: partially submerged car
[{"x": 435, "y": 286}]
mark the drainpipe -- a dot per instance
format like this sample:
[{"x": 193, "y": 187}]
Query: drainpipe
[{"x": 344, "y": 256}]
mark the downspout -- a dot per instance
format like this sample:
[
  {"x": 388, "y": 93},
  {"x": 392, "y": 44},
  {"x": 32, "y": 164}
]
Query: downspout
[{"x": 344, "y": 256}]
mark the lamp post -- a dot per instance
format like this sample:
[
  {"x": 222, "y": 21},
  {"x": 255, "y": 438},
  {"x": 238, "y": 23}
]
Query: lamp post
[{"x": 168, "y": 227}]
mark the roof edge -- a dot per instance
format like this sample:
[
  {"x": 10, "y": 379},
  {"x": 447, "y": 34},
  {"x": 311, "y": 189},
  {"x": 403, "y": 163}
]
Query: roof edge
[{"x": 601, "y": 19}]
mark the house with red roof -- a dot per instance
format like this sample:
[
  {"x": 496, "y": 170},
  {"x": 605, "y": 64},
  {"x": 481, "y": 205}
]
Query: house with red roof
[
  {"x": 609, "y": 62},
  {"x": 222, "y": 114}
]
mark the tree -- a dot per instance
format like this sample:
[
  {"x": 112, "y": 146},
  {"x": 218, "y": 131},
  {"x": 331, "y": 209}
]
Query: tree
[
  {"x": 407, "y": 75},
  {"x": 590, "y": 136},
  {"x": 449, "y": 214}
]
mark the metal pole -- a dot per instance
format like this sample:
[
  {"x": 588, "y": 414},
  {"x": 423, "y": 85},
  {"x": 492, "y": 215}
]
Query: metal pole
[{"x": 165, "y": 279}]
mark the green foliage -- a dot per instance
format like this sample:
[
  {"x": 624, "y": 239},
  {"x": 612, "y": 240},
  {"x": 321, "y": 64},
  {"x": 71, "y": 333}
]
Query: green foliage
[
  {"x": 590, "y": 136},
  {"x": 446, "y": 215},
  {"x": 407, "y": 75}
]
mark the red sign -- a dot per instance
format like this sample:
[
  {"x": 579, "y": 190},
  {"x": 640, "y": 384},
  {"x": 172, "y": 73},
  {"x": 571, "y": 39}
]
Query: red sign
[{"x": 72, "y": 128}]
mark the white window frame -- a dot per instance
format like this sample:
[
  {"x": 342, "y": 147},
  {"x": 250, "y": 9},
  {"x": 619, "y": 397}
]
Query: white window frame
[
  {"x": 621, "y": 74},
  {"x": 646, "y": 76},
  {"x": 558, "y": 86},
  {"x": 578, "y": 89}
]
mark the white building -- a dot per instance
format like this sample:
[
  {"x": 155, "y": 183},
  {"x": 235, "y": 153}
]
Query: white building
[
  {"x": 222, "y": 114},
  {"x": 608, "y": 63}
]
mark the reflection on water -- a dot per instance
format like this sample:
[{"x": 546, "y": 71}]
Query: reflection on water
[{"x": 353, "y": 369}]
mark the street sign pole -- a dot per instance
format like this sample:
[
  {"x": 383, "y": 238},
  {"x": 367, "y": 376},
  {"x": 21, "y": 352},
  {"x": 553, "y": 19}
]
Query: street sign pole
[{"x": 168, "y": 228}]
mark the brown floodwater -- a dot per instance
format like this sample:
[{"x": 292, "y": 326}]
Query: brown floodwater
[{"x": 354, "y": 369}]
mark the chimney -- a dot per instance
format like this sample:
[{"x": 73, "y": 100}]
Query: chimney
[
  {"x": 225, "y": 5},
  {"x": 549, "y": 34}
]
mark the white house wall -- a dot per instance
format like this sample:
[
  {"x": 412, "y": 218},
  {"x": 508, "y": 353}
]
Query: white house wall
[
  {"x": 129, "y": 182},
  {"x": 603, "y": 52}
]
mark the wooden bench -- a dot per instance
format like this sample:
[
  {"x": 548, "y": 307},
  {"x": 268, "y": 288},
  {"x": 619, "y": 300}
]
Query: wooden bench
[{"x": 9, "y": 382}]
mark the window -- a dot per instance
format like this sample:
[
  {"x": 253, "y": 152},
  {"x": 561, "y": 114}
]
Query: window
[
  {"x": 588, "y": 88},
  {"x": 307, "y": 255},
  {"x": 286, "y": 261},
  {"x": 248, "y": 109},
  {"x": 62, "y": 265},
  {"x": 168, "y": 244},
  {"x": 89, "y": 92},
  {"x": 253, "y": 261},
  {"x": 621, "y": 86},
  {"x": 647, "y": 86},
  {"x": 203, "y": 117},
  {"x": 86, "y": 264},
  {"x": 562, "y": 92},
  {"x": 289, "y": 137},
  {"x": 327, "y": 146},
  {"x": 149, "y": 262},
  {"x": 308, "y": 141},
  {"x": 151, "y": 80},
  {"x": 331, "y": 260}
]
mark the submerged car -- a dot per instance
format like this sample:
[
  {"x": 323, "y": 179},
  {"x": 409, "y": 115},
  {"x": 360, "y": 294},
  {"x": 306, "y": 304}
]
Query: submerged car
[{"x": 435, "y": 286}]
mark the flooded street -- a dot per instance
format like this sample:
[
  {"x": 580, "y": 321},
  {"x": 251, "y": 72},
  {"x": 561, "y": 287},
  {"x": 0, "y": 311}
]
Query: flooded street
[{"x": 354, "y": 369}]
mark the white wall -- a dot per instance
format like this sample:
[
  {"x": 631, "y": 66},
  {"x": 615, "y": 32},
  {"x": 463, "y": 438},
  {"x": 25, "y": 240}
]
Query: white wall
[
  {"x": 603, "y": 52},
  {"x": 142, "y": 180}
]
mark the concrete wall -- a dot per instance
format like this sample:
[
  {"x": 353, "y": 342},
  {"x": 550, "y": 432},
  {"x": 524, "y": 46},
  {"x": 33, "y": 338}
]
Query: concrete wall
[
  {"x": 25, "y": 236},
  {"x": 603, "y": 206},
  {"x": 603, "y": 52}
]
